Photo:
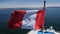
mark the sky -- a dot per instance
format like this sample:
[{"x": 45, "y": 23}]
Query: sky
[{"x": 28, "y": 3}]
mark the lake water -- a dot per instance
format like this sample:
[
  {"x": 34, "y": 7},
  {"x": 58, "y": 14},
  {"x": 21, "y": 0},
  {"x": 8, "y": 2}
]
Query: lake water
[{"x": 52, "y": 18}]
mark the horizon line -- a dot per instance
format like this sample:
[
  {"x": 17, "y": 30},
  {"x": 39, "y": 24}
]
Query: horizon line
[{"x": 29, "y": 7}]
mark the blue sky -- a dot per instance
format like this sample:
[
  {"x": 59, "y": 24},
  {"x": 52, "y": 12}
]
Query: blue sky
[{"x": 27, "y": 3}]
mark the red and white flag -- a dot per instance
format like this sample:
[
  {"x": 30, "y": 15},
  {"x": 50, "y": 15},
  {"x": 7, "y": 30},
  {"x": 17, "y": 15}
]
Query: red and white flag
[{"x": 26, "y": 19}]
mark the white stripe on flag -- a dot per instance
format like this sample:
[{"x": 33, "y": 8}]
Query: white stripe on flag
[{"x": 29, "y": 19}]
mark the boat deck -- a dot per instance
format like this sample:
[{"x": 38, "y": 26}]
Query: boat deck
[{"x": 45, "y": 33}]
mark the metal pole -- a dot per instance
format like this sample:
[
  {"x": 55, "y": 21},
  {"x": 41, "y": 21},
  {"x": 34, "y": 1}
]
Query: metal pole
[
  {"x": 44, "y": 4},
  {"x": 44, "y": 15}
]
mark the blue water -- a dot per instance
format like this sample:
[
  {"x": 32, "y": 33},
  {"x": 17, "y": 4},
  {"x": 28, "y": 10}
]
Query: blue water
[{"x": 52, "y": 18}]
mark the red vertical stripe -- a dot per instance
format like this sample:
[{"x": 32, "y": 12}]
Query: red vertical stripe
[
  {"x": 39, "y": 20},
  {"x": 16, "y": 19}
]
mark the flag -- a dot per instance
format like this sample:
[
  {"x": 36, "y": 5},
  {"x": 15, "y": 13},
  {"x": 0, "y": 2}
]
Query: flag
[{"x": 26, "y": 19}]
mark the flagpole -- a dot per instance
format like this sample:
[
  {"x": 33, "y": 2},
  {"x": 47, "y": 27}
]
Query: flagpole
[{"x": 44, "y": 7}]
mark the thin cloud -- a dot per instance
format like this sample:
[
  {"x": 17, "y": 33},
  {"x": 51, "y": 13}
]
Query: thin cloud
[{"x": 26, "y": 3}]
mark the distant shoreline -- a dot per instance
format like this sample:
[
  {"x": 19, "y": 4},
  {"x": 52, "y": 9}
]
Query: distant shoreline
[
  {"x": 33, "y": 7},
  {"x": 27, "y": 8}
]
